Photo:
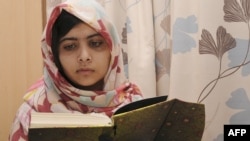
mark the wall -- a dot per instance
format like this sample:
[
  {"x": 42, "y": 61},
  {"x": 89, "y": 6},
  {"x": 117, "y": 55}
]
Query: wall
[{"x": 20, "y": 58}]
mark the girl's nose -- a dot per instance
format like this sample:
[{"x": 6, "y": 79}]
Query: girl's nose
[{"x": 84, "y": 55}]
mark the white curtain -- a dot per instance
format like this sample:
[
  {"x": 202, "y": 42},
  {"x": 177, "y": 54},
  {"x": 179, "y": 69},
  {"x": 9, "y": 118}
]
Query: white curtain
[{"x": 193, "y": 50}]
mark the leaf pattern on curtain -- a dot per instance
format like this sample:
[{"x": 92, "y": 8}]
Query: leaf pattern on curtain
[
  {"x": 238, "y": 56},
  {"x": 239, "y": 12},
  {"x": 207, "y": 45},
  {"x": 234, "y": 12},
  {"x": 163, "y": 57},
  {"x": 225, "y": 42},
  {"x": 165, "y": 24},
  {"x": 162, "y": 38},
  {"x": 239, "y": 100},
  {"x": 182, "y": 40},
  {"x": 163, "y": 62}
]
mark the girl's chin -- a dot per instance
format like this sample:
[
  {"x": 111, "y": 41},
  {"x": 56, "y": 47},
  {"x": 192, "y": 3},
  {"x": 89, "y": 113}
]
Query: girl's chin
[{"x": 90, "y": 86}]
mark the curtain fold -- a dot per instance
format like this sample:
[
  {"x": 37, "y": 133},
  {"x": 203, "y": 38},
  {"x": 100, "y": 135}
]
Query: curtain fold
[
  {"x": 197, "y": 51},
  {"x": 137, "y": 38}
]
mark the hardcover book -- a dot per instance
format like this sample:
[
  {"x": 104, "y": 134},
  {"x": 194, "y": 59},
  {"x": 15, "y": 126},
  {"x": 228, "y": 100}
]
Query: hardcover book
[{"x": 151, "y": 119}]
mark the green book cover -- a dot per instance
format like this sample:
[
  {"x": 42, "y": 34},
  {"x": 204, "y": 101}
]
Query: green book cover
[{"x": 152, "y": 119}]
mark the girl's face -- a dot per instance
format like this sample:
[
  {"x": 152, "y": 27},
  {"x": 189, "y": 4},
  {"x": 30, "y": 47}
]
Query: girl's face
[{"x": 84, "y": 55}]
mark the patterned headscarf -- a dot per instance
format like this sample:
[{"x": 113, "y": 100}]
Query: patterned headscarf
[
  {"x": 115, "y": 83},
  {"x": 53, "y": 93}
]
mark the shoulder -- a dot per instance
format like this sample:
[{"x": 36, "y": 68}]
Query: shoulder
[
  {"x": 21, "y": 122},
  {"x": 36, "y": 88}
]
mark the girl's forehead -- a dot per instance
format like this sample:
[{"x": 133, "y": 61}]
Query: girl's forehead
[{"x": 82, "y": 31}]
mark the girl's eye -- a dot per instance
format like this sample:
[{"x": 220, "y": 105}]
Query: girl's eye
[
  {"x": 95, "y": 44},
  {"x": 69, "y": 47}
]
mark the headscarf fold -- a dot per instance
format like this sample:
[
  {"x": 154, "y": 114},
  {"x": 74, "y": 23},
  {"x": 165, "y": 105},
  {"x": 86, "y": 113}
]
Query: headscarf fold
[{"x": 53, "y": 93}]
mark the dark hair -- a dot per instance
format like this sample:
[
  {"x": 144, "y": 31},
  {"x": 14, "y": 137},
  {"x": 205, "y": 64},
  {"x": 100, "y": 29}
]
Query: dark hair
[{"x": 63, "y": 24}]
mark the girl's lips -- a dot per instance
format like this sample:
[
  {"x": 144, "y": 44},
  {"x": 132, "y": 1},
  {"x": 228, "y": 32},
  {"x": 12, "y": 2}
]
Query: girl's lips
[{"x": 85, "y": 71}]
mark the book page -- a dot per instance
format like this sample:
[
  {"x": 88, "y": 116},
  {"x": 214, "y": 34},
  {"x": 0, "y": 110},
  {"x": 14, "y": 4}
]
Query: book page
[{"x": 51, "y": 120}]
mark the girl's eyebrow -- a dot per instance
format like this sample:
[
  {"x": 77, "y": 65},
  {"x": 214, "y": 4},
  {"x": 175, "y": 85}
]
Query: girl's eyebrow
[
  {"x": 67, "y": 38},
  {"x": 93, "y": 35},
  {"x": 73, "y": 38}
]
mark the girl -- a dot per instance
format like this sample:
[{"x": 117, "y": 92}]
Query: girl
[{"x": 83, "y": 68}]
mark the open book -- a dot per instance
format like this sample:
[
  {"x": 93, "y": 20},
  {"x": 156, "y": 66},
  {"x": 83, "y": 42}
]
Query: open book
[{"x": 151, "y": 119}]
